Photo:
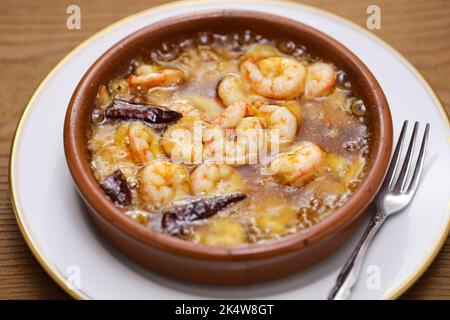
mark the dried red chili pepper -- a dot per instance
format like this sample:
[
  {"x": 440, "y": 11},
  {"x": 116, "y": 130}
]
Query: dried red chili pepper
[
  {"x": 185, "y": 211},
  {"x": 116, "y": 188},
  {"x": 151, "y": 114}
]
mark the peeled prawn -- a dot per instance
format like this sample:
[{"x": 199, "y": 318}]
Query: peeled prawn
[
  {"x": 275, "y": 77},
  {"x": 161, "y": 182},
  {"x": 281, "y": 119},
  {"x": 143, "y": 143},
  {"x": 298, "y": 167},
  {"x": 152, "y": 76},
  {"x": 261, "y": 51},
  {"x": 320, "y": 79},
  {"x": 233, "y": 114},
  {"x": 234, "y": 137},
  {"x": 183, "y": 141},
  {"x": 210, "y": 178},
  {"x": 231, "y": 89}
]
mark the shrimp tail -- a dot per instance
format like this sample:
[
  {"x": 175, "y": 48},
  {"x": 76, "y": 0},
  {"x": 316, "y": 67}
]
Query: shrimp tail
[{"x": 183, "y": 212}]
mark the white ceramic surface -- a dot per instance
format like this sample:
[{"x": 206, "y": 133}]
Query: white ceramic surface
[{"x": 57, "y": 227}]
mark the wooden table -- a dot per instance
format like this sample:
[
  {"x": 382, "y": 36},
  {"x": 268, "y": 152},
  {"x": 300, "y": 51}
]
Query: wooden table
[{"x": 34, "y": 37}]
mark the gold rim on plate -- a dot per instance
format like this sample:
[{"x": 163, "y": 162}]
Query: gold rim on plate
[{"x": 77, "y": 294}]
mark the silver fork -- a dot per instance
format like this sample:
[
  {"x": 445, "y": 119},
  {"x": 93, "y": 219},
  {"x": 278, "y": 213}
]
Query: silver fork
[{"x": 394, "y": 196}]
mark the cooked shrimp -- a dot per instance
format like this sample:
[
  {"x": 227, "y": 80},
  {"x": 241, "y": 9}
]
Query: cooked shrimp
[
  {"x": 275, "y": 77},
  {"x": 211, "y": 108},
  {"x": 110, "y": 151},
  {"x": 280, "y": 119},
  {"x": 220, "y": 147},
  {"x": 295, "y": 107},
  {"x": 251, "y": 138},
  {"x": 233, "y": 137},
  {"x": 234, "y": 146},
  {"x": 299, "y": 166},
  {"x": 183, "y": 141},
  {"x": 161, "y": 182},
  {"x": 231, "y": 89},
  {"x": 152, "y": 76},
  {"x": 109, "y": 159},
  {"x": 210, "y": 178},
  {"x": 320, "y": 79},
  {"x": 188, "y": 110},
  {"x": 233, "y": 114},
  {"x": 261, "y": 51},
  {"x": 143, "y": 143}
]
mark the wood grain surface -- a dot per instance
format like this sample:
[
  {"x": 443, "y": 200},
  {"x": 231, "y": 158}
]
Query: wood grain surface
[{"x": 34, "y": 37}]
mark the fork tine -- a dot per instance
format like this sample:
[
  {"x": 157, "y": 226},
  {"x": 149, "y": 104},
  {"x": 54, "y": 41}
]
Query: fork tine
[
  {"x": 395, "y": 157},
  {"x": 403, "y": 176},
  {"x": 420, "y": 160}
]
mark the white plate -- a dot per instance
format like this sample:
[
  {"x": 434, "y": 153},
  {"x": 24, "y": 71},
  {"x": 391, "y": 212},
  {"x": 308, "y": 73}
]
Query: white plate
[{"x": 68, "y": 246}]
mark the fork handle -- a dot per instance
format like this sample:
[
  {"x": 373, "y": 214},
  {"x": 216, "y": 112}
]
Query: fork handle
[{"x": 350, "y": 272}]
